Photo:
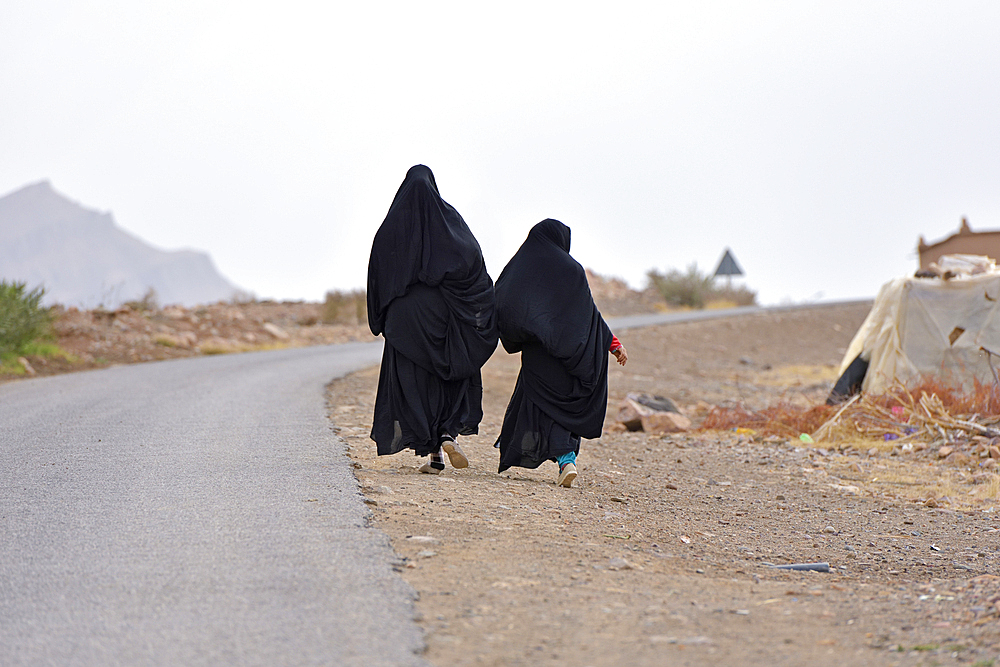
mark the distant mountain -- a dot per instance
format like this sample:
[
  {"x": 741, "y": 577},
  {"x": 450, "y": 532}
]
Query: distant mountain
[{"x": 83, "y": 258}]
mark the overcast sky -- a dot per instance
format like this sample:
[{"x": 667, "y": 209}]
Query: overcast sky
[{"x": 818, "y": 140}]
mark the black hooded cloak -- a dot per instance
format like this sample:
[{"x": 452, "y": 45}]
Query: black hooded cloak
[
  {"x": 431, "y": 298},
  {"x": 545, "y": 311}
]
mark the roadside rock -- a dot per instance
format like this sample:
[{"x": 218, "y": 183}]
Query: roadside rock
[
  {"x": 651, "y": 414},
  {"x": 276, "y": 331}
]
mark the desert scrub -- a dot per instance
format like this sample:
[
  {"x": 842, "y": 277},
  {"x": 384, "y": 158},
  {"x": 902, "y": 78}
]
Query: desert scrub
[
  {"x": 345, "y": 307},
  {"x": 148, "y": 303},
  {"x": 694, "y": 289},
  {"x": 22, "y": 318}
]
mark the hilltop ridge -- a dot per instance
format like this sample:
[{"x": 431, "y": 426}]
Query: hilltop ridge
[{"x": 83, "y": 258}]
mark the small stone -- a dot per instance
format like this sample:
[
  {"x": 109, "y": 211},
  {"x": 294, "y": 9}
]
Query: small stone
[
  {"x": 959, "y": 459},
  {"x": 618, "y": 563},
  {"x": 945, "y": 451},
  {"x": 830, "y": 530},
  {"x": 994, "y": 452},
  {"x": 931, "y": 502},
  {"x": 665, "y": 422},
  {"x": 276, "y": 331},
  {"x": 423, "y": 539},
  {"x": 427, "y": 553}
]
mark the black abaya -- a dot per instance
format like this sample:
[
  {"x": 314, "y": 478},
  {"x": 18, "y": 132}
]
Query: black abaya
[
  {"x": 431, "y": 298},
  {"x": 545, "y": 311}
]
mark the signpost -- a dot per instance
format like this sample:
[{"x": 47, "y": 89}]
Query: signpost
[{"x": 728, "y": 268}]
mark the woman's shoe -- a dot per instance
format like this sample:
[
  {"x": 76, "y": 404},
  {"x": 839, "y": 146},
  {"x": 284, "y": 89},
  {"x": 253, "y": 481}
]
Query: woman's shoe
[
  {"x": 435, "y": 465},
  {"x": 455, "y": 454},
  {"x": 567, "y": 473}
]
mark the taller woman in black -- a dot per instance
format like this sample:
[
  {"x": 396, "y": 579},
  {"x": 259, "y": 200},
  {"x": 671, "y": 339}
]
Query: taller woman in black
[
  {"x": 430, "y": 297},
  {"x": 545, "y": 311}
]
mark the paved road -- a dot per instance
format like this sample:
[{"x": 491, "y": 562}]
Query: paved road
[
  {"x": 195, "y": 512},
  {"x": 634, "y": 321}
]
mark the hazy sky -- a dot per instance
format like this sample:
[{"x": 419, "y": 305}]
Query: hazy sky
[{"x": 816, "y": 139}]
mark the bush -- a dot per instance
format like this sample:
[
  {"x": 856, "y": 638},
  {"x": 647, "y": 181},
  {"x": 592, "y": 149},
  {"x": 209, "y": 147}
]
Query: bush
[
  {"x": 740, "y": 295},
  {"x": 149, "y": 302},
  {"x": 345, "y": 307},
  {"x": 694, "y": 289},
  {"x": 22, "y": 319}
]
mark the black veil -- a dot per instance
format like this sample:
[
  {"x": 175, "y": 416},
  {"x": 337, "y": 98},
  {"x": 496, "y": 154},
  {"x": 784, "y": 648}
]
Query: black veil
[
  {"x": 546, "y": 312},
  {"x": 431, "y": 298}
]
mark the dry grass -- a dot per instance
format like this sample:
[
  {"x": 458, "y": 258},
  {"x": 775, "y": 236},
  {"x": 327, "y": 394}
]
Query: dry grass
[{"x": 783, "y": 419}]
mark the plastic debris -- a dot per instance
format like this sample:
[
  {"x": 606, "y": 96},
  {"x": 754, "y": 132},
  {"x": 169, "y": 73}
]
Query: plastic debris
[{"x": 804, "y": 567}]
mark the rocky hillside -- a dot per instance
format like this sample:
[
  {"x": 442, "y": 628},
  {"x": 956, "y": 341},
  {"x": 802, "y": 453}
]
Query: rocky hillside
[
  {"x": 141, "y": 331},
  {"x": 97, "y": 338},
  {"x": 84, "y": 259}
]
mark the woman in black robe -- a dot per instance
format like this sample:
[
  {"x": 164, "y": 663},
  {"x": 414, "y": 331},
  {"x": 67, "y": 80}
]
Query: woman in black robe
[
  {"x": 431, "y": 299},
  {"x": 545, "y": 311}
]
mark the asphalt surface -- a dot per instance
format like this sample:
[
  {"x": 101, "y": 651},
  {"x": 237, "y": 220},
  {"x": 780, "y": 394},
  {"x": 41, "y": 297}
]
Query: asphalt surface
[
  {"x": 652, "y": 319},
  {"x": 194, "y": 512}
]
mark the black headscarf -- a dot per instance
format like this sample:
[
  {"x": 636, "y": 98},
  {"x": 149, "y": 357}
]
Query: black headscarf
[
  {"x": 424, "y": 240},
  {"x": 545, "y": 311},
  {"x": 543, "y": 295}
]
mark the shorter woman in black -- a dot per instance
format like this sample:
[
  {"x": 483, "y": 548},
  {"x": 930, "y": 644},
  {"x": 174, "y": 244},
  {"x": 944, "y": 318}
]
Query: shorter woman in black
[{"x": 545, "y": 311}]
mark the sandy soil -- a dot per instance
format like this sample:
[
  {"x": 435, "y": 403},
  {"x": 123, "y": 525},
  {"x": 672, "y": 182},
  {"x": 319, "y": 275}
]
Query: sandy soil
[{"x": 661, "y": 552}]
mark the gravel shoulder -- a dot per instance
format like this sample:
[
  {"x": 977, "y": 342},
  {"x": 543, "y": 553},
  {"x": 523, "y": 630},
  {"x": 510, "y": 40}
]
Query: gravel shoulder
[{"x": 659, "y": 554}]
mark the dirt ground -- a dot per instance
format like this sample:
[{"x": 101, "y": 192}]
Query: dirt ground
[{"x": 660, "y": 554}]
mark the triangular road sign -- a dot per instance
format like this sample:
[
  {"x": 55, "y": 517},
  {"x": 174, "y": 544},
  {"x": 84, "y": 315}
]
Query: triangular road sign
[{"x": 728, "y": 266}]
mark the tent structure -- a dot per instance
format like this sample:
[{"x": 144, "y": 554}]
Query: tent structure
[{"x": 917, "y": 327}]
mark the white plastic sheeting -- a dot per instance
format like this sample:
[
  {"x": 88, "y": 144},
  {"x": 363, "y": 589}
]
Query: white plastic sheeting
[{"x": 930, "y": 327}]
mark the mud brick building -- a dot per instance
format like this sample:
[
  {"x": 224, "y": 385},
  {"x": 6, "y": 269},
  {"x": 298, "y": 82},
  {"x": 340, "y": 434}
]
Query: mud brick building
[{"x": 964, "y": 241}]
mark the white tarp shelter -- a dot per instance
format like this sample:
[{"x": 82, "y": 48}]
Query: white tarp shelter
[{"x": 931, "y": 327}]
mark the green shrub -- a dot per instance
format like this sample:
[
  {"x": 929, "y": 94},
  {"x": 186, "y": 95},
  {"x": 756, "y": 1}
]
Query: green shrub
[
  {"x": 689, "y": 289},
  {"x": 345, "y": 307},
  {"x": 694, "y": 289},
  {"x": 22, "y": 318}
]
